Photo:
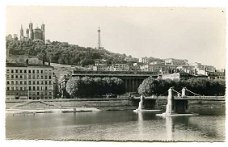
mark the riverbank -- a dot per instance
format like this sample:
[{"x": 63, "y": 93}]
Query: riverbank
[
  {"x": 208, "y": 107},
  {"x": 34, "y": 111}
]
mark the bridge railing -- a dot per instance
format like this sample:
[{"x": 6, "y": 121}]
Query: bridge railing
[{"x": 186, "y": 97}]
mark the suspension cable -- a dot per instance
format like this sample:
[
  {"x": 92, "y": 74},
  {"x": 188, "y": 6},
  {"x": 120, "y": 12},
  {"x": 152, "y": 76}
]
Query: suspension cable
[{"x": 192, "y": 92}]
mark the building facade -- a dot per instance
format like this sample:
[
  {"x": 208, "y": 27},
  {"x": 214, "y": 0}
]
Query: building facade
[
  {"x": 177, "y": 62},
  {"x": 29, "y": 81},
  {"x": 120, "y": 67},
  {"x": 33, "y": 34}
]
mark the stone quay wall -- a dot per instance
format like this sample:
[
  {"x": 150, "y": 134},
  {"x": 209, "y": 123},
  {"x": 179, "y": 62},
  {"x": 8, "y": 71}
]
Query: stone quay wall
[{"x": 113, "y": 104}]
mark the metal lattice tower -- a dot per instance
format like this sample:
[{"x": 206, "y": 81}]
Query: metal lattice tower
[{"x": 99, "y": 38}]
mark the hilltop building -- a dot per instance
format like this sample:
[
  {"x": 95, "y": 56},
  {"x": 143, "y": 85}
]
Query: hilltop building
[{"x": 33, "y": 34}]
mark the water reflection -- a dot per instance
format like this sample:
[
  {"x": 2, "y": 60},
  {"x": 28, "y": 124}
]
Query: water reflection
[
  {"x": 140, "y": 124},
  {"x": 123, "y": 125},
  {"x": 169, "y": 128}
]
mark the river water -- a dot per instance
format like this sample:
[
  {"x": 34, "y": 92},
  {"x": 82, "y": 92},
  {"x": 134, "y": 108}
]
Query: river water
[{"x": 114, "y": 126}]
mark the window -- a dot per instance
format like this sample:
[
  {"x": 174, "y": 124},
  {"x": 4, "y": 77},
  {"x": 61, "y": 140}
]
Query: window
[
  {"x": 16, "y": 88},
  {"x": 7, "y": 76},
  {"x": 38, "y": 76},
  {"x": 29, "y": 88},
  {"x": 41, "y": 77},
  {"x": 21, "y": 88},
  {"x": 29, "y": 71},
  {"x": 38, "y": 88},
  {"x": 37, "y": 71},
  {"x": 38, "y": 94},
  {"x": 45, "y": 82},
  {"x": 25, "y": 71},
  {"x": 41, "y": 88},
  {"x": 25, "y": 82},
  {"x": 33, "y": 77},
  {"x": 21, "y": 76},
  {"x": 45, "y": 77},
  {"x": 34, "y": 88},
  {"x": 46, "y": 88},
  {"x": 29, "y": 82},
  {"x": 50, "y": 82},
  {"x": 12, "y": 88},
  {"x": 42, "y": 82},
  {"x": 12, "y": 82},
  {"x": 16, "y": 82},
  {"x": 16, "y": 76},
  {"x": 29, "y": 76},
  {"x": 12, "y": 76},
  {"x": 7, "y": 82},
  {"x": 7, "y": 70},
  {"x": 38, "y": 82},
  {"x": 20, "y": 71},
  {"x": 16, "y": 70},
  {"x": 21, "y": 82},
  {"x": 49, "y": 77},
  {"x": 33, "y": 71},
  {"x": 34, "y": 82},
  {"x": 41, "y": 71},
  {"x": 8, "y": 88},
  {"x": 12, "y": 71},
  {"x": 49, "y": 93}
]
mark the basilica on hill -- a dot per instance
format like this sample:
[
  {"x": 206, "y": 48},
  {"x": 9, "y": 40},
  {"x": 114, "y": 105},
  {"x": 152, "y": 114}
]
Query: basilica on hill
[{"x": 33, "y": 34}]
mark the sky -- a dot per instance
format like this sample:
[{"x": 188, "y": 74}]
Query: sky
[{"x": 195, "y": 34}]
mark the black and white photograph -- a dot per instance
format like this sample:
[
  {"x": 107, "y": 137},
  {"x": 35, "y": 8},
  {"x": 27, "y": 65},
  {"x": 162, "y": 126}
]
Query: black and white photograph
[{"x": 115, "y": 73}]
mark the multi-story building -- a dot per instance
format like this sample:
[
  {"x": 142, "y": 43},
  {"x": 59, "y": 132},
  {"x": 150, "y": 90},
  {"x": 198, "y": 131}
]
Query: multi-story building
[
  {"x": 144, "y": 60},
  {"x": 25, "y": 81},
  {"x": 120, "y": 67},
  {"x": 177, "y": 62},
  {"x": 186, "y": 68},
  {"x": 100, "y": 68}
]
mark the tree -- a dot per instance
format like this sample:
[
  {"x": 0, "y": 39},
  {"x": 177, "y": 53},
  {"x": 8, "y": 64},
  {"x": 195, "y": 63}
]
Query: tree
[
  {"x": 117, "y": 86},
  {"x": 200, "y": 86},
  {"x": 72, "y": 86}
]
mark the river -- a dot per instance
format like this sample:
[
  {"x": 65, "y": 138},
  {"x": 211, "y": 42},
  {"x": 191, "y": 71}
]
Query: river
[{"x": 114, "y": 126}]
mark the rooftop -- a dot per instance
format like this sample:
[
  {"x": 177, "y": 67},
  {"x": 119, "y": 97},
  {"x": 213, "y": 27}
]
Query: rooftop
[{"x": 25, "y": 65}]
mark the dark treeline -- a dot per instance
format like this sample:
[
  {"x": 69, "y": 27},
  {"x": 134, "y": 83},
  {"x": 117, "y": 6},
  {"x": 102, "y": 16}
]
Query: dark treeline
[
  {"x": 92, "y": 87},
  {"x": 63, "y": 52},
  {"x": 202, "y": 86}
]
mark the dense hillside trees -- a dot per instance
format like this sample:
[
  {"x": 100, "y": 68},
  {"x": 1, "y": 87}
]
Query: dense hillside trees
[
  {"x": 91, "y": 87},
  {"x": 202, "y": 86},
  {"x": 62, "y": 52}
]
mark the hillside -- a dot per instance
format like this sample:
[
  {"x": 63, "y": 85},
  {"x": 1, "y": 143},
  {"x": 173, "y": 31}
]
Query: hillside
[{"x": 64, "y": 53}]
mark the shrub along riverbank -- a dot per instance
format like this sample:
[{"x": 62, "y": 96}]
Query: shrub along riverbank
[
  {"x": 201, "y": 86},
  {"x": 91, "y": 87}
]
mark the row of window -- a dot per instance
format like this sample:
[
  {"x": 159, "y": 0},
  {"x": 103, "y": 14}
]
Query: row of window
[
  {"x": 42, "y": 97},
  {"x": 40, "y": 93},
  {"x": 25, "y": 71},
  {"x": 25, "y": 88},
  {"x": 30, "y": 77},
  {"x": 30, "y": 82}
]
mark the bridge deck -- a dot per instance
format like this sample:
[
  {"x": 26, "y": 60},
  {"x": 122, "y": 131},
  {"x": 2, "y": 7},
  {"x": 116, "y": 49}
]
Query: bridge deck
[{"x": 208, "y": 98}]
